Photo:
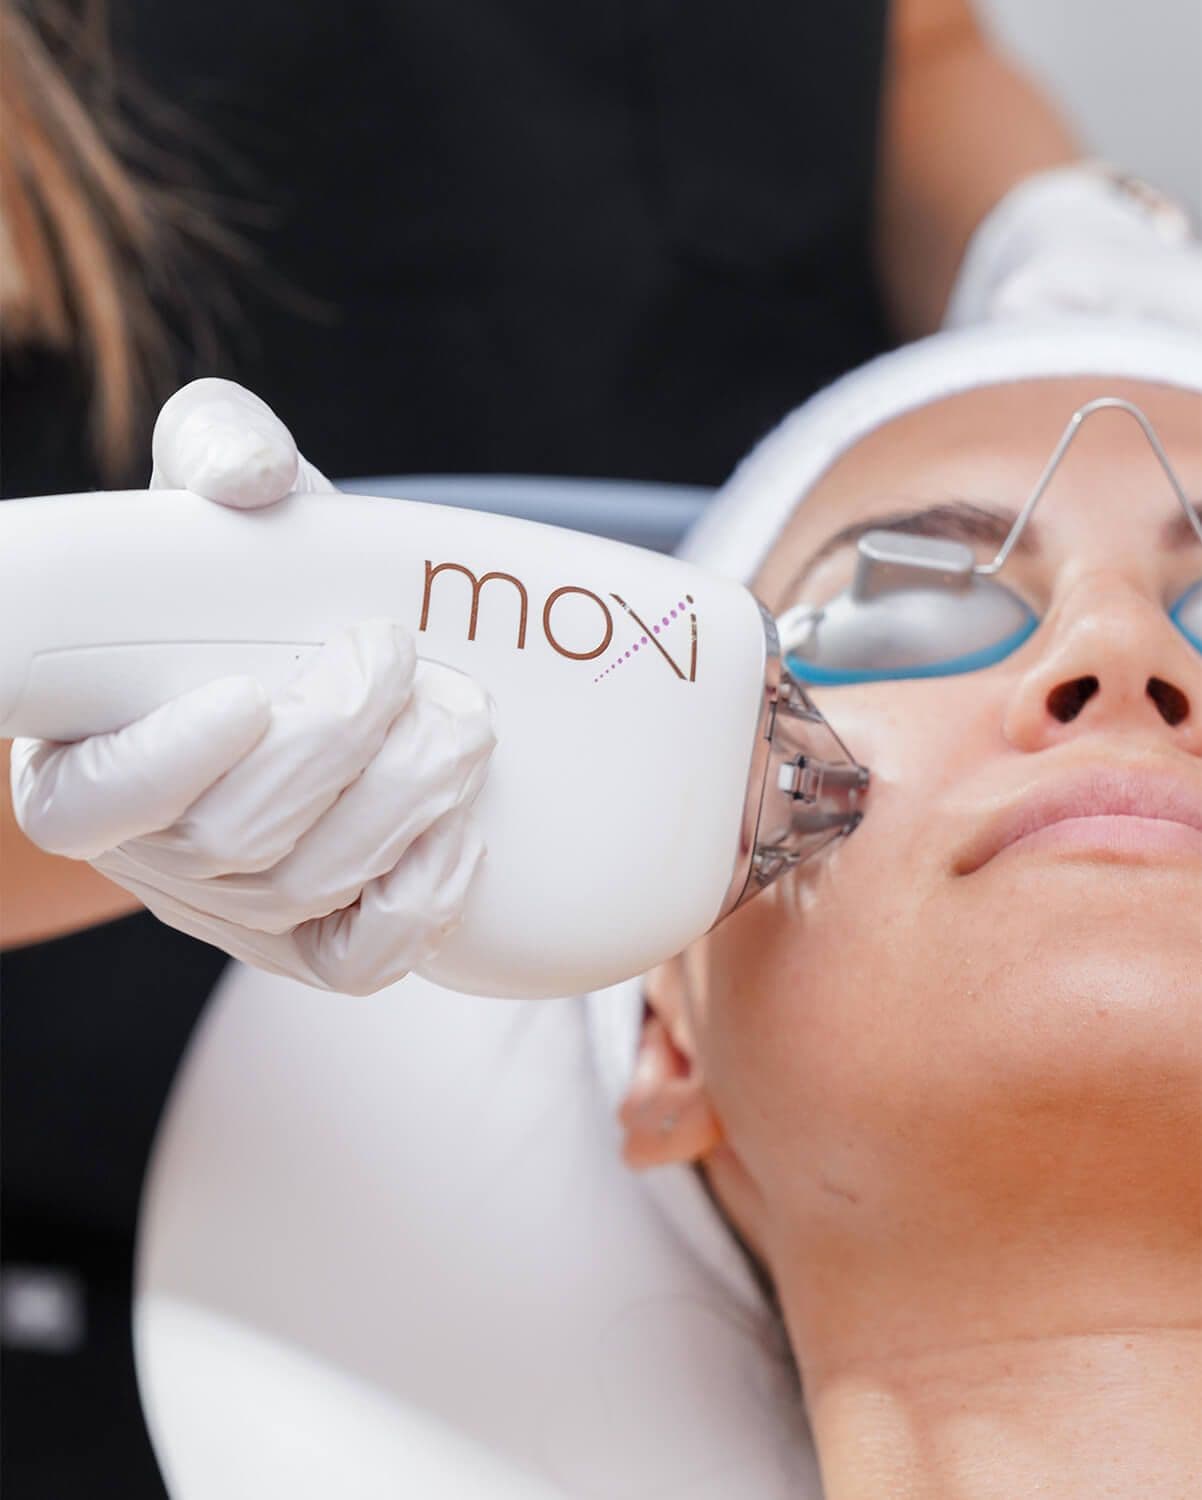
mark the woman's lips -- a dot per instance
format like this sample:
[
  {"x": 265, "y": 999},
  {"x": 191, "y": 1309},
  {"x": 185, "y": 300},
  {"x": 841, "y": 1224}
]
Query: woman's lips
[
  {"x": 1108, "y": 811},
  {"x": 1110, "y": 836}
]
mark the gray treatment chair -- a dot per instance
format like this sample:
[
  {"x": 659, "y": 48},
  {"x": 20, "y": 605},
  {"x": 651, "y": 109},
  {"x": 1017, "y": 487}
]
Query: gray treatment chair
[{"x": 655, "y": 516}]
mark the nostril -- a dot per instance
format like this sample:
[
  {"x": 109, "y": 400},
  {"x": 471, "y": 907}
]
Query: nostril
[
  {"x": 1067, "y": 701},
  {"x": 1171, "y": 701}
]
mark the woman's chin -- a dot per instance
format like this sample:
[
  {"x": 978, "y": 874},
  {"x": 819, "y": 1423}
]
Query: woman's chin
[{"x": 1094, "y": 1008}]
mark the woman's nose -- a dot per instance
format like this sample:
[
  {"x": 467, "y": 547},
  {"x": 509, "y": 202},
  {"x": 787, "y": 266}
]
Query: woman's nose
[{"x": 1111, "y": 658}]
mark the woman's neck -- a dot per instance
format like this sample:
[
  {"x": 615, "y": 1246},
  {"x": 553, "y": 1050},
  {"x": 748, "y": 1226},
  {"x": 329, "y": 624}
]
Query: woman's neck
[
  {"x": 1075, "y": 1375},
  {"x": 994, "y": 1289},
  {"x": 1074, "y": 1416}
]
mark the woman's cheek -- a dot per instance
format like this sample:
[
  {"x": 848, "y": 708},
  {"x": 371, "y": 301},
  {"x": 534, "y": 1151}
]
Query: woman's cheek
[
  {"x": 890, "y": 727},
  {"x": 919, "y": 740},
  {"x": 891, "y": 734},
  {"x": 771, "y": 961},
  {"x": 777, "y": 981},
  {"x": 796, "y": 976}
]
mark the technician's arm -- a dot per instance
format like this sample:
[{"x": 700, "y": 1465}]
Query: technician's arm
[
  {"x": 208, "y": 446},
  {"x": 43, "y": 895},
  {"x": 960, "y": 127}
]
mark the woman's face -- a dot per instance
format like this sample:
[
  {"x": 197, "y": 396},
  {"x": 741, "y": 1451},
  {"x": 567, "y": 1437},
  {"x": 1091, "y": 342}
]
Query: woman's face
[{"x": 887, "y": 1047}]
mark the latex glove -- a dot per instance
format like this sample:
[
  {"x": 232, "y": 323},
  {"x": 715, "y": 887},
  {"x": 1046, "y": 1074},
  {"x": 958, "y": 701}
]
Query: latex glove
[
  {"x": 325, "y": 834},
  {"x": 220, "y": 440},
  {"x": 1071, "y": 241}
]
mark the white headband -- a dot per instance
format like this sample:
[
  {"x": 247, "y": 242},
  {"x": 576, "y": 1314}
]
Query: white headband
[{"x": 739, "y": 528}]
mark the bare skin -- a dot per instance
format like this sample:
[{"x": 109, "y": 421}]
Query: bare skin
[
  {"x": 959, "y": 127},
  {"x": 959, "y": 1115},
  {"x": 42, "y": 895}
]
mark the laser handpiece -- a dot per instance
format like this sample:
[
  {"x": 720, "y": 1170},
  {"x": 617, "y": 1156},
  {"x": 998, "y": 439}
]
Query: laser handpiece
[{"x": 656, "y": 764}]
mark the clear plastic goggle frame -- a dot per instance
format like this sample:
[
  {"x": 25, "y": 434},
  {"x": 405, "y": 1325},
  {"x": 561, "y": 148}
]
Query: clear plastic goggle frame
[{"x": 924, "y": 607}]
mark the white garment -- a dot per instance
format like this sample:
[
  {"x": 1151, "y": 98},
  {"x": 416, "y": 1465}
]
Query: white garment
[{"x": 392, "y": 1237}]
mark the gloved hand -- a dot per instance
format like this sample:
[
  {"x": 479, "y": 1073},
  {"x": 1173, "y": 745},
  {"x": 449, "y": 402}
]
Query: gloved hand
[
  {"x": 325, "y": 833},
  {"x": 1074, "y": 240},
  {"x": 217, "y": 439}
]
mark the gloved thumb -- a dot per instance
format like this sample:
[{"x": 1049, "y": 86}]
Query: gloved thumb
[{"x": 220, "y": 440}]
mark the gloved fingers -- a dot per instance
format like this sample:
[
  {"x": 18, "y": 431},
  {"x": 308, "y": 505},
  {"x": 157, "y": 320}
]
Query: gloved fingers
[
  {"x": 1097, "y": 281},
  {"x": 84, "y": 798},
  {"x": 220, "y": 440},
  {"x": 431, "y": 761},
  {"x": 1053, "y": 283},
  {"x": 310, "y": 480},
  {"x": 401, "y": 919},
  {"x": 275, "y": 955},
  {"x": 326, "y": 727}
]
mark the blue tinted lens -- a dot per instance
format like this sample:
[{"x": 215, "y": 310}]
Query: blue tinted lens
[
  {"x": 1186, "y": 614},
  {"x": 974, "y": 661}
]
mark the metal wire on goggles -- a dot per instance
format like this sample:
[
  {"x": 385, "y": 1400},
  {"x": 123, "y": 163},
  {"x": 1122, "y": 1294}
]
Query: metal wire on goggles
[{"x": 914, "y": 597}]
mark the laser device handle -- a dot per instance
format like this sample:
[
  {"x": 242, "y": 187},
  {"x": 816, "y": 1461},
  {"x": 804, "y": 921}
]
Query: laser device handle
[{"x": 635, "y": 693}]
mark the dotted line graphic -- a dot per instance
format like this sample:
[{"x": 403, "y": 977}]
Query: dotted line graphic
[{"x": 642, "y": 641}]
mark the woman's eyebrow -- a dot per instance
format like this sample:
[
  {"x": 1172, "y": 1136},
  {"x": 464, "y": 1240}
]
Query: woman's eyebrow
[
  {"x": 959, "y": 520},
  {"x": 966, "y": 521}
]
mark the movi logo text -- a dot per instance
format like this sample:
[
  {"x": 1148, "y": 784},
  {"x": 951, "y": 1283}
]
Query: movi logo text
[{"x": 648, "y": 638}]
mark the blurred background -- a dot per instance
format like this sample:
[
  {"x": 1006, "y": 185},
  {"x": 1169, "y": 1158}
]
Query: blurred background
[{"x": 1129, "y": 75}]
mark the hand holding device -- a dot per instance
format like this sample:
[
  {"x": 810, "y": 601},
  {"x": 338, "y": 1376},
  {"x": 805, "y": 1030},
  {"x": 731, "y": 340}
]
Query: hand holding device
[{"x": 326, "y": 832}]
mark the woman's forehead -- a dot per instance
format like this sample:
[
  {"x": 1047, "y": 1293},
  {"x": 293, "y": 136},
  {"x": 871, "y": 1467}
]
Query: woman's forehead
[{"x": 993, "y": 441}]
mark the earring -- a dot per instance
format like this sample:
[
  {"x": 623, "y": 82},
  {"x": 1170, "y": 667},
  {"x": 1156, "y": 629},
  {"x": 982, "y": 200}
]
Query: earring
[{"x": 668, "y": 1124}]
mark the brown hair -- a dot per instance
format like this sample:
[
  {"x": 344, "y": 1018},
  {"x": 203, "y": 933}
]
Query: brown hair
[{"x": 87, "y": 239}]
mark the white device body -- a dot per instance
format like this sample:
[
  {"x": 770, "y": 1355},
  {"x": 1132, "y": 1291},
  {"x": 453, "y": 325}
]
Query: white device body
[{"x": 622, "y": 798}]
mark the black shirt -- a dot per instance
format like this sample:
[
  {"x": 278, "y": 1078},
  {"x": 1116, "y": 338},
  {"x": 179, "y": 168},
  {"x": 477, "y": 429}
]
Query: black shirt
[{"x": 615, "y": 239}]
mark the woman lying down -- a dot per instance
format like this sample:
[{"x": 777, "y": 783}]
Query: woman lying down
[{"x": 930, "y": 1106}]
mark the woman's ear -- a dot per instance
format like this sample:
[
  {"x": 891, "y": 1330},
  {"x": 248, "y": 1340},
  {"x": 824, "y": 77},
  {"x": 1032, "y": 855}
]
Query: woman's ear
[{"x": 666, "y": 1113}]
